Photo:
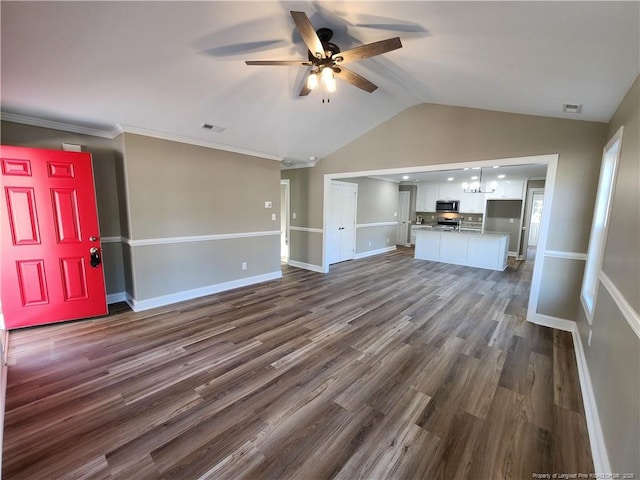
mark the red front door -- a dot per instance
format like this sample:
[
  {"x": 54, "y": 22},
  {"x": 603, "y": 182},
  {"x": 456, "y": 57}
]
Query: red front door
[{"x": 51, "y": 256}]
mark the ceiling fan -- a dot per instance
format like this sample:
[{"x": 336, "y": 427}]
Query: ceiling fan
[{"x": 326, "y": 60}]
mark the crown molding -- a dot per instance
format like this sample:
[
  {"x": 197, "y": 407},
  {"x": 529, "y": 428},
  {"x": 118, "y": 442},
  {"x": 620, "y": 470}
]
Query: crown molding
[
  {"x": 67, "y": 127},
  {"x": 122, "y": 128}
]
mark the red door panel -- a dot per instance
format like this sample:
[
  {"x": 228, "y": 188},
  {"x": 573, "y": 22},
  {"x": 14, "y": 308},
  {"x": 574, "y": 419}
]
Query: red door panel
[{"x": 49, "y": 225}]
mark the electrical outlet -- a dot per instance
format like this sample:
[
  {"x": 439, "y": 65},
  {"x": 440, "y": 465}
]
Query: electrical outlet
[
  {"x": 387, "y": 239},
  {"x": 511, "y": 220},
  {"x": 589, "y": 339},
  {"x": 432, "y": 217},
  {"x": 244, "y": 265},
  {"x": 395, "y": 214},
  {"x": 273, "y": 216},
  {"x": 294, "y": 215},
  {"x": 369, "y": 243}
]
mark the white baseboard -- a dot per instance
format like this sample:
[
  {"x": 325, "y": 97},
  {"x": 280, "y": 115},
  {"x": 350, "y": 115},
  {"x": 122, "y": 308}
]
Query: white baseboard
[
  {"x": 371, "y": 253},
  {"x": 307, "y": 266},
  {"x": 596, "y": 437},
  {"x": 116, "y": 297},
  {"x": 553, "y": 322},
  {"x": 139, "y": 305}
]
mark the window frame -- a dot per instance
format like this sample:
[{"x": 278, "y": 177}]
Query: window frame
[{"x": 600, "y": 226}]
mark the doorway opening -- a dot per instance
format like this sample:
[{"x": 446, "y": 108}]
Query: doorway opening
[
  {"x": 284, "y": 220},
  {"x": 403, "y": 218},
  {"x": 533, "y": 221}
]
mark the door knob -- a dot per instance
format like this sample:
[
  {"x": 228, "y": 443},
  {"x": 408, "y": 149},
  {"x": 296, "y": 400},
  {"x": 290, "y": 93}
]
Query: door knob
[{"x": 95, "y": 260}]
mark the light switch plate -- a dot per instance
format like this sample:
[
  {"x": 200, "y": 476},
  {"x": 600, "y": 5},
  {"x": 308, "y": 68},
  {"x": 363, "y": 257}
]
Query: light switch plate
[{"x": 273, "y": 216}]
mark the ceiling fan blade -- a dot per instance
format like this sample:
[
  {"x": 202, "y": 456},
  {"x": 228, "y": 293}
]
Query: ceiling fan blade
[
  {"x": 354, "y": 79},
  {"x": 368, "y": 50},
  {"x": 285, "y": 63},
  {"x": 304, "y": 91},
  {"x": 308, "y": 33}
]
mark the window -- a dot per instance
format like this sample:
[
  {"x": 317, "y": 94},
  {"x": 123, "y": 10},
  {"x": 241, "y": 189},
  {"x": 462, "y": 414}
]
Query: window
[{"x": 600, "y": 223}]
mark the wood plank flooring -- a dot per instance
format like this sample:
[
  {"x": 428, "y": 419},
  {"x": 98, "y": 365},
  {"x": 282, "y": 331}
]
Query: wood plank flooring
[{"x": 386, "y": 368}]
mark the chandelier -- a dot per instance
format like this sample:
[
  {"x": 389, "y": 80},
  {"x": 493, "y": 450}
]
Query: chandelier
[{"x": 476, "y": 186}]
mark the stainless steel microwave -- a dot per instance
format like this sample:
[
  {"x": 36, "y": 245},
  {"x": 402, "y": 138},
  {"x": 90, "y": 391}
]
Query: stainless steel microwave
[{"x": 447, "y": 206}]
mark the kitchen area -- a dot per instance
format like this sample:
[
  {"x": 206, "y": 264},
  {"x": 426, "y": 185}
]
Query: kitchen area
[{"x": 470, "y": 217}]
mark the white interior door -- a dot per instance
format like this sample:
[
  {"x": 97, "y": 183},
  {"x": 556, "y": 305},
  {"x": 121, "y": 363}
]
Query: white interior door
[
  {"x": 529, "y": 222},
  {"x": 403, "y": 218},
  {"x": 536, "y": 218},
  {"x": 341, "y": 222}
]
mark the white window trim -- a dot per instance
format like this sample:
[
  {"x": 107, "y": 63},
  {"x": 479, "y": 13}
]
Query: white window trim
[{"x": 595, "y": 258}]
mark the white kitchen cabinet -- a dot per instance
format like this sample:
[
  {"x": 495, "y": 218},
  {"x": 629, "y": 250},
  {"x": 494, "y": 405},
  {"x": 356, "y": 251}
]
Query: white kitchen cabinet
[
  {"x": 427, "y": 195},
  {"x": 414, "y": 228},
  {"x": 463, "y": 248},
  {"x": 449, "y": 191},
  {"x": 511, "y": 189},
  {"x": 472, "y": 202}
]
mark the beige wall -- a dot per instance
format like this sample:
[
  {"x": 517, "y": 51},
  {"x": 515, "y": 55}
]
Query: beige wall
[
  {"x": 430, "y": 134},
  {"x": 621, "y": 259},
  {"x": 104, "y": 172},
  {"x": 377, "y": 203},
  {"x": 613, "y": 358},
  {"x": 179, "y": 190}
]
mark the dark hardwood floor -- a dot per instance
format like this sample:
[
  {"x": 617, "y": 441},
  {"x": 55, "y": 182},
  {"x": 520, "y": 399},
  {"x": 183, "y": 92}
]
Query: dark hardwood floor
[{"x": 387, "y": 367}]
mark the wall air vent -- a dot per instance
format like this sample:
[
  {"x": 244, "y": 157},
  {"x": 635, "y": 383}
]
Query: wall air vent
[
  {"x": 212, "y": 128},
  {"x": 571, "y": 108}
]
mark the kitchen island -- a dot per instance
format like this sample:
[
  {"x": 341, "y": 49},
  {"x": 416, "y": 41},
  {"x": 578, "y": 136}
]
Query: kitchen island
[{"x": 473, "y": 249}]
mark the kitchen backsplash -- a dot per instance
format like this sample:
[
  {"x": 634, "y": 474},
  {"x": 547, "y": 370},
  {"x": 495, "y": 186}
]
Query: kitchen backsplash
[{"x": 465, "y": 217}]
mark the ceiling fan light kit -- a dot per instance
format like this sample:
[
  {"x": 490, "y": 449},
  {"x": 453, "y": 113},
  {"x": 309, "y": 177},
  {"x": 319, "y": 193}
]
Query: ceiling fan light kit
[{"x": 327, "y": 60}]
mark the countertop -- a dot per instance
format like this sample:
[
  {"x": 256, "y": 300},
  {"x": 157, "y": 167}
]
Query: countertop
[{"x": 463, "y": 232}]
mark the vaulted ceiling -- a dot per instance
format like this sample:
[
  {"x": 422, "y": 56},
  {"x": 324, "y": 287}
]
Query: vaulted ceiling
[{"x": 165, "y": 68}]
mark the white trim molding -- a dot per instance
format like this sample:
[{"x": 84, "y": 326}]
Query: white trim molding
[
  {"x": 307, "y": 266},
  {"x": 306, "y": 229},
  {"x": 54, "y": 125},
  {"x": 553, "y": 322},
  {"x": 632, "y": 317},
  {"x": 596, "y": 437},
  {"x": 371, "y": 253},
  {"x": 197, "y": 238},
  {"x": 116, "y": 297},
  {"x": 566, "y": 255},
  {"x": 377, "y": 224},
  {"x": 123, "y": 128},
  {"x": 146, "y": 304},
  {"x": 111, "y": 239}
]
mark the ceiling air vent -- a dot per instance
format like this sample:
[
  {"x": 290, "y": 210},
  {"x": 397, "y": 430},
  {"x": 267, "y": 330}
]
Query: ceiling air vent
[
  {"x": 571, "y": 108},
  {"x": 213, "y": 128}
]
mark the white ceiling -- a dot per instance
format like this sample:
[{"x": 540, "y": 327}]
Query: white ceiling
[
  {"x": 489, "y": 174},
  {"x": 167, "y": 67}
]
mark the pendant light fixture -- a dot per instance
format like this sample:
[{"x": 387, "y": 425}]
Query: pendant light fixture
[{"x": 476, "y": 187}]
